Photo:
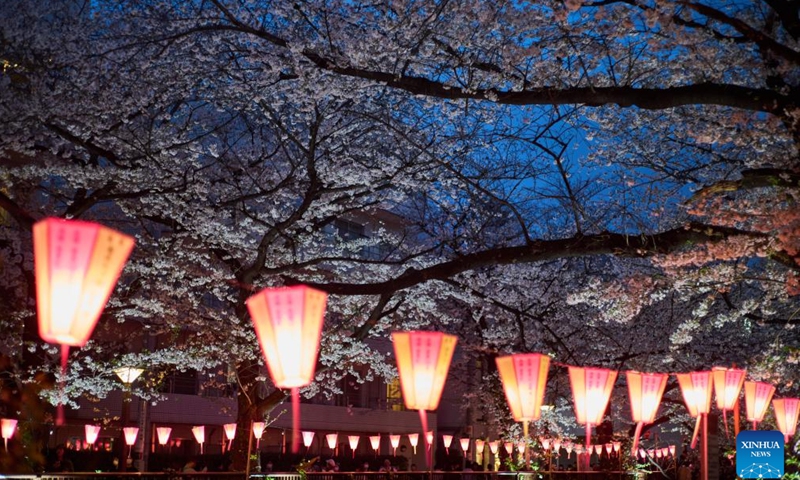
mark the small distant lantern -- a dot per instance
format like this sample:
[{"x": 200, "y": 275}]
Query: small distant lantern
[
  {"x": 479, "y": 444},
  {"x": 651, "y": 452},
  {"x": 568, "y": 447},
  {"x": 288, "y": 323},
  {"x": 375, "y": 443},
  {"x": 413, "y": 439},
  {"x": 672, "y": 450},
  {"x": 608, "y": 448},
  {"x": 92, "y": 432},
  {"x": 521, "y": 447},
  {"x": 696, "y": 391},
  {"x": 429, "y": 439},
  {"x": 556, "y": 445},
  {"x": 509, "y": 446},
  {"x": 199, "y": 433},
  {"x": 394, "y": 440},
  {"x": 464, "y": 444},
  {"x": 130, "y": 437},
  {"x": 524, "y": 378},
  {"x": 447, "y": 440},
  {"x": 545, "y": 443},
  {"x": 493, "y": 446},
  {"x": 598, "y": 449},
  {"x": 230, "y": 433},
  {"x": 308, "y": 437},
  {"x": 7, "y": 427},
  {"x": 645, "y": 391},
  {"x": 332, "y": 440},
  {"x": 617, "y": 446},
  {"x": 163, "y": 434},
  {"x": 258, "y": 432},
  {"x": 579, "y": 449},
  {"x": 642, "y": 453},
  {"x": 757, "y": 396},
  {"x": 423, "y": 359},
  {"x": 591, "y": 390},
  {"x": 353, "y": 441},
  {"x": 76, "y": 265},
  {"x": 786, "y": 414},
  {"x": 659, "y": 453}
]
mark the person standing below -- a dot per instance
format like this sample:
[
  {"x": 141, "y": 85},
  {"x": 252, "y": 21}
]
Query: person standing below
[
  {"x": 61, "y": 463},
  {"x": 387, "y": 466}
]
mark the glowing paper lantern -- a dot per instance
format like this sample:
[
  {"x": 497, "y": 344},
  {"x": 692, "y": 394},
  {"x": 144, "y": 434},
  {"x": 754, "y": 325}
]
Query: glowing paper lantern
[
  {"x": 394, "y": 440},
  {"x": 76, "y": 265},
  {"x": 556, "y": 445},
  {"x": 493, "y": 446},
  {"x": 447, "y": 440},
  {"x": 423, "y": 359},
  {"x": 163, "y": 434},
  {"x": 353, "y": 441},
  {"x": 727, "y": 385},
  {"x": 617, "y": 446},
  {"x": 786, "y": 414},
  {"x": 509, "y": 446},
  {"x": 332, "y": 440},
  {"x": 591, "y": 390},
  {"x": 200, "y": 435},
  {"x": 757, "y": 396},
  {"x": 230, "y": 433},
  {"x": 413, "y": 439},
  {"x": 92, "y": 432},
  {"x": 524, "y": 377},
  {"x": 130, "y": 437},
  {"x": 308, "y": 437},
  {"x": 479, "y": 444},
  {"x": 288, "y": 323},
  {"x": 696, "y": 390},
  {"x": 659, "y": 453},
  {"x": 545, "y": 443},
  {"x": 429, "y": 438},
  {"x": 608, "y": 448},
  {"x": 258, "y": 431},
  {"x": 375, "y": 443},
  {"x": 598, "y": 449},
  {"x": 568, "y": 447},
  {"x": 642, "y": 453},
  {"x": 7, "y": 427},
  {"x": 645, "y": 391},
  {"x": 464, "y": 444},
  {"x": 672, "y": 450},
  {"x": 521, "y": 447}
]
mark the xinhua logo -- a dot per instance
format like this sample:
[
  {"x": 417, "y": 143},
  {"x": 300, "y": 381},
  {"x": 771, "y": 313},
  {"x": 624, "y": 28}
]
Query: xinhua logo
[{"x": 759, "y": 454}]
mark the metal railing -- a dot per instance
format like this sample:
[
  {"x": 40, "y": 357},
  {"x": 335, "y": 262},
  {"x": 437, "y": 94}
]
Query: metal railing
[{"x": 428, "y": 475}]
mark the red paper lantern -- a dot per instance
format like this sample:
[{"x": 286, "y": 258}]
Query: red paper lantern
[
  {"x": 163, "y": 434},
  {"x": 288, "y": 323},
  {"x": 7, "y": 427},
  {"x": 375, "y": 443},
  {"x": 696, "y": 390},
  {"x": 591, "y": 390},
  {"x": 230, "y": 433},
  {"x": 353, "y": 441},
  {"x": 645, "y": 391},
  {"x": 258, "y": 431},
  {"x": 332, "y": 439},
  {"x": 493, "y": 447},
  {"x": 199, "y": 433},
  {"x": 92, "y": 432},
  {"x": 413, "y": 439},
  {"x": 509, "y": 446},
  {"x": 757, "y": 396},
  {"x": 130, "y": 437},
  {"x": 727, "y": 385},
  {"x": 394, "y": 440},
  {"x": 423, "y": 359},
  {"x": 464, "y": 444},
  {"x": 786, "y": 414},
  {"x": 524, "y": 378},
  {"x": 447, "y": 440}
]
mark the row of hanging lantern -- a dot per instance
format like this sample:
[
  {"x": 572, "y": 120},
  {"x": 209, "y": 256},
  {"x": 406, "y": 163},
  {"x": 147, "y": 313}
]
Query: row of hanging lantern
[{"x": 77, "y": 265}]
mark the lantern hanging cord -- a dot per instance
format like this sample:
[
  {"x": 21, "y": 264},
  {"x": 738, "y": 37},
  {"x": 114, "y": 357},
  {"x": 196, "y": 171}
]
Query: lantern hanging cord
[
  {"x": 423, "y": 417},
  {"x": 62, "y": 384},
  {"x": 295, "y": 419}
]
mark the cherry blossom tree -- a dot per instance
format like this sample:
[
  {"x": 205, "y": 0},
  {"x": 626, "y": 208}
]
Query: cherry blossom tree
[{"x": 559, "y": 177}]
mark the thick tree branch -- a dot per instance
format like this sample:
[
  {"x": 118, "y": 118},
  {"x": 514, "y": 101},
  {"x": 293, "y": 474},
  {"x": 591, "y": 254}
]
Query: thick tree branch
[
  {"x": 755, "y": 178},
  {"x": 578, "y": 246}
]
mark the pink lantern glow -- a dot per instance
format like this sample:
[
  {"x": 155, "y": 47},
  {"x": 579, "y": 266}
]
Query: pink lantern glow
[
  {"x": 353, "y": 441},
  {"x": 479, "y": 444},
  {"x": 617, "y": 446},
  {"x": 493, "y": 446},
  {"x": 394, "y": 440},
  {"x": 464, "y": 444},
  {"x": 659, "y": 454},
  {"x": 76, "y": 265},
  {"x": 672, "y": 450},
  {"x": 591, "y": 390},
  {"x": 199, "y": 433},
  {"x": 509, "y": 446},
  {"x": 230, "y": 433},
  {"x": 696, "y": 389},
  {"x": 332, "y": 439},
  {"x": 447, "y": 440},
  {"x": 423, "y": 359},
  {"x": 7, "y": 427},
  {"x": 598, "y": 449},
  {"x": 130, "y": 437},
  {"x": 258, "y": 431},
  {"x": 757, "y": 396},
  {"x": 429, "y": 439},
  {"x": 556, "y": 445},
  {"x": 524, "y": 377},
  {"x": 608, "y": 448},
  {"x": 288, "y": 323},
  {"x": 91, "y": 432},
  {"x": 545, "y": 443},
  {"x": 163, "y": 434},
  {"x": 413, "y": 439},
  {"x": 375, "y": 443},
  {"x": 521, "y": 447},
  {"x": 786, "y": 414},
  {"x": 645, "y": 391},
  {"x": 727, "y": 385},
  {"x": 308, "y": 437},
  {"x": 568, "y": 447},
  {"x": 642, "y": 453}
]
